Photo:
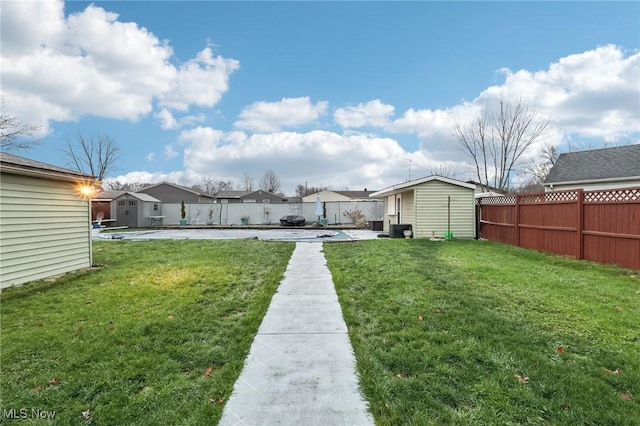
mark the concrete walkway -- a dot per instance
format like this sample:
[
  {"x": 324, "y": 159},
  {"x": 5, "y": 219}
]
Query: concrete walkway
[{"x": 301, "y": 369}]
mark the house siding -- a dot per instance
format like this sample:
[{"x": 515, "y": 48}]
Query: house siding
[
  {"x": 407, "y": 208},
  {"x": 325, "y": 196},
  {"x": 431, "y": 210},
  {"x": 44, "y": 229}
]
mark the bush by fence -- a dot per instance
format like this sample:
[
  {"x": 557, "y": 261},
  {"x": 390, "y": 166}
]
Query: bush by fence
[{"x": 602, "y": 226}]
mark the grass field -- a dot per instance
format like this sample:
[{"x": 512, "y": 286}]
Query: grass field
[
  {"x": 469, "y": 332},
  {"x": 156, "y": 335}
]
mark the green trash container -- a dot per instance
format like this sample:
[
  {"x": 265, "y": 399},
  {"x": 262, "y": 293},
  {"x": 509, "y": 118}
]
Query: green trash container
[{"x": 448, "y": 235}]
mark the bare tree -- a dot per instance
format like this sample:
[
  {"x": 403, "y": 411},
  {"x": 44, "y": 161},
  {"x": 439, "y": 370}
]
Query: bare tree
[
  {"x": 444, "y": 170},
  {"x": 495, "y": 142},
  {"x": 304, "y": 190},
  {"x": 213, "y": 187},
  {"x": 538, "y": 169},
  {"x": 14, "y": 133},
  {"x": 270, "y": 182},
  {"x": 114, "y": 185},
  {"x": 247, "y": 182},
  {"x": 95, "y": 155}
]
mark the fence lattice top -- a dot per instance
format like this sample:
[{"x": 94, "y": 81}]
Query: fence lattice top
[
  {"x": 500, "y": 199},
  {"x": 622, "y": 195},
  {"x": 608, "y": 196}
]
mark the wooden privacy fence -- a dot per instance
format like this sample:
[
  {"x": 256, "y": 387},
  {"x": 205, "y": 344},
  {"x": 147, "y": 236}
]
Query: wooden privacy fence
[{"x": 602, "y": 226}]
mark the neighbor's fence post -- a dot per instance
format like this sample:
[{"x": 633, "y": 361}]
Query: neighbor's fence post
[
  {"x": 580, "y": 224},
  {"x": 517, "y": 222}
]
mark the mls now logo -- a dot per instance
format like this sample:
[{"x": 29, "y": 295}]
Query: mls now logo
[{"x": 23, "y": 413}]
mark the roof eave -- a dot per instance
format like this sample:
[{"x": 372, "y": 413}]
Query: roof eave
[
  {"x": 395, "y": 189},
  {"x": 51, "y": 174},
  {"x": 605, "y": 180}
]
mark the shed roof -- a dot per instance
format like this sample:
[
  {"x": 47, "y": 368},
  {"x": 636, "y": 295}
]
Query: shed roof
[
  {"x": 24, "y": 166},
  {"x": 395, "y": 189},
  {"x": 615, "y": 163},
  {"x": 140, "y": 196},
  {"x": 356, "y": 194}
]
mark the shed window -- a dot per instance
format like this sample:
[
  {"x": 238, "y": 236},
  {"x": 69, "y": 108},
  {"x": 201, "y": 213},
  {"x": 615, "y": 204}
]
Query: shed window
[
  {"x": 249, "y": 201},
  {"x": 132, "y": 203},
  {"x": 121, "y": 203},
  {"x": 266, "y": 201},
  {"x": 155, "y": 207}
]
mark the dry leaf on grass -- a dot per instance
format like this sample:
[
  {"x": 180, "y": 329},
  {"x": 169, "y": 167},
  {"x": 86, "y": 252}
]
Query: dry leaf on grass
[
  {"x": 560, "y": 349},
  {"x": 208, "y": 371},
  {"x": 54, "y": 382},
  {"x": 522, "y": 380},
  {"x": 219, "y": 401},
  {"x": 170, "y": 317},
  {"x": 616, "y": 371},
  {"x": 420, "y": 318},
  {"x": 625, "y": 395}
]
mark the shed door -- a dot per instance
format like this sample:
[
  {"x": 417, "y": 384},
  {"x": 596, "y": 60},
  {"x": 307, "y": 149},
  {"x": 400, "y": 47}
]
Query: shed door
[
  {"x": 127, "y": 213},
  {"x": 398, "y": 201}
]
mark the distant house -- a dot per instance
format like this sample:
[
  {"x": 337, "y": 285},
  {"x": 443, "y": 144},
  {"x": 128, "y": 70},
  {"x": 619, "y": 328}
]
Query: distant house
[
  {"x": 432, "y": 205},
  {"x": 258, "y": 196},
  {"x": 605, "y": 168},
  {"x": 168, "y": 192},
  {"x": 44, "y": 220},
  {"x": 329, "y": 196}
]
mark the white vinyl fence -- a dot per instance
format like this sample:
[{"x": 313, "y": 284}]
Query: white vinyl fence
[{"x": 258, "y": 213}]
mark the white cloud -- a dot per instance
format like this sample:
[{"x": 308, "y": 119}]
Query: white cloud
[
  {"x": 201, "y": 81},
  {"x": 317, "y": 157},
  {"x": 61, "y": 68},
  {"x": 373, "y": 113},
  {"x": 168, "y": 121},
  {"x": 151, "y": 156},
  {"x": 267, "y": 117},
  {"x": 429, "y": 123},
  {"x": 169, "y": 152},
  {"x": 590, "y": 95}
]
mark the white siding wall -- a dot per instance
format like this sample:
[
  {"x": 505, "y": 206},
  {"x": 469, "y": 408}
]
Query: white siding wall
[
  {"x": 431, "y": 210},
  {"x": 44, "y": 229},
  {"x": 407, "y": 208},
  {"x": 232, "y": 213}
]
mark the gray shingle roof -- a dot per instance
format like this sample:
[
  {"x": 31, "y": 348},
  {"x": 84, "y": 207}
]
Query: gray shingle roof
[
  {"x": 606, "y": 163},
  {"x": 27, "y": 164},
  {"x": 355, "y": 194}
]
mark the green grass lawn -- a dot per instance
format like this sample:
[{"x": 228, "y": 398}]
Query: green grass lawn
[
  {"x": 469, "y": 332},
  {"x": 156, "y": 335}
]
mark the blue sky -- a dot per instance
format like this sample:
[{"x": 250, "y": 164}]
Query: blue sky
[{"x": 345, "y": 94}]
